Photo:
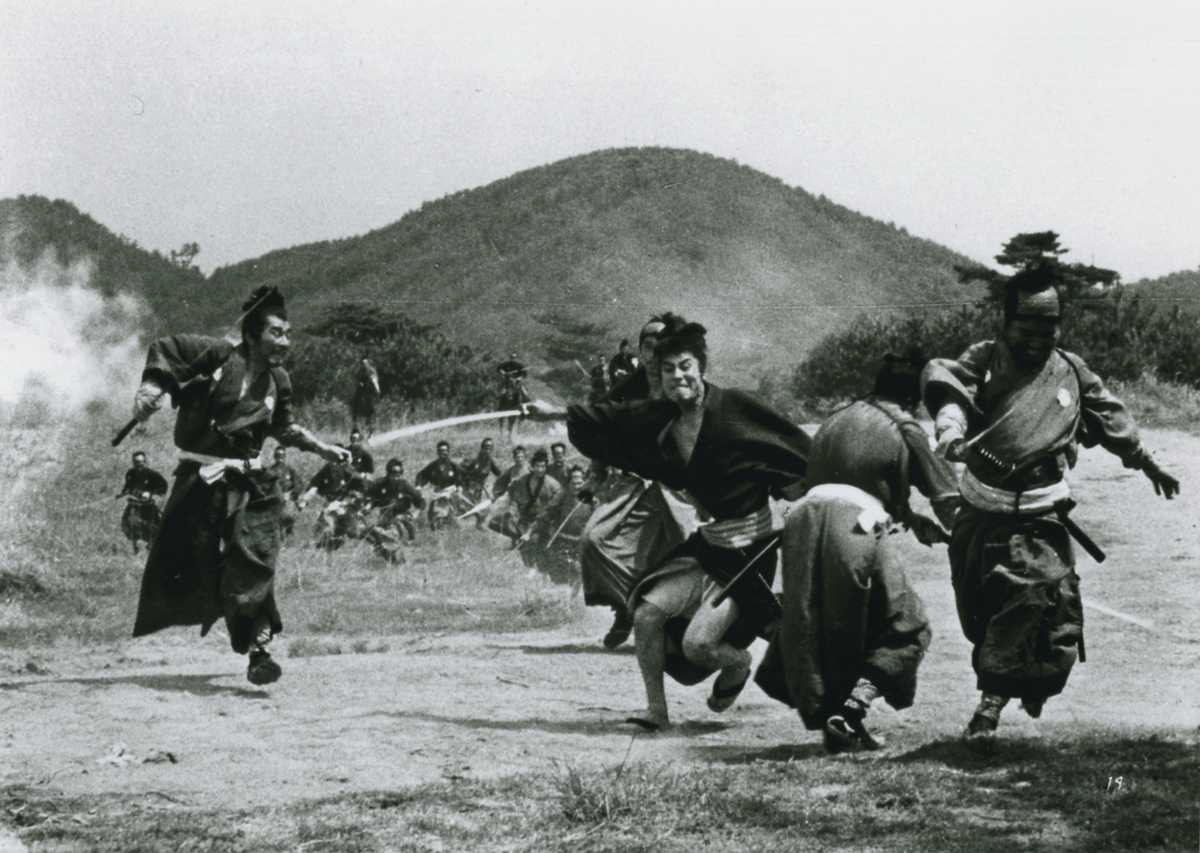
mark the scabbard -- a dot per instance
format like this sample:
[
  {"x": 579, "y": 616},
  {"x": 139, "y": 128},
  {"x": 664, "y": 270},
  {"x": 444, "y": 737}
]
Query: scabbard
[
  {"x": 1078, "y": 535},
  {"x": 125, "y": 430}
]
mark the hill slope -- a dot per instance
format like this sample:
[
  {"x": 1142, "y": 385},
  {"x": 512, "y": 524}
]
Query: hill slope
[
  {"x": 561, "y": 261},
  {"x": 581, "y": 252},
  {"x": 35, "y": 229}
]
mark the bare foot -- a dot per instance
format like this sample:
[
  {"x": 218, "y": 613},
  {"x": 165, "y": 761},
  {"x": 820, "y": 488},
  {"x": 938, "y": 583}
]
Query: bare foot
[{"x": 652, "y": 719}]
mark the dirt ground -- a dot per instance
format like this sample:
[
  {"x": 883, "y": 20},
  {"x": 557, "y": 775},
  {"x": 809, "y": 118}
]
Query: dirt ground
[{"x": 484, "y": 705}]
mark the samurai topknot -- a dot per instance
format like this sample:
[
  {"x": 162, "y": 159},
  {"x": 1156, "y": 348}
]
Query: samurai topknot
[
  {"x": 900, "y": 377},
  {"x": 263, "y": 303},
  {"x": 678, "y": 336}
]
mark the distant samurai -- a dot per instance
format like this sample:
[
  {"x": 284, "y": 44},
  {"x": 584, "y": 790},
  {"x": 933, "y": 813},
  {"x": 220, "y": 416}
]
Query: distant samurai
[{"x": 215, "y": 551}]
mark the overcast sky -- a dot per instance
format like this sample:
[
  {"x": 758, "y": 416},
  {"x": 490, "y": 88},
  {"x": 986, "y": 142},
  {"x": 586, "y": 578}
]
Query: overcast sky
[{"x": 248, "y": 127}]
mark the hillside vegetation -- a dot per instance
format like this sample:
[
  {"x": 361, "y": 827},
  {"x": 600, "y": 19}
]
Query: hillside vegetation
[
  {"x": 559, "y": 262},
  {"x": 609, "y": 238},
  {"x": 600, "y": 240},
  {"x": 34, "y": 229}
]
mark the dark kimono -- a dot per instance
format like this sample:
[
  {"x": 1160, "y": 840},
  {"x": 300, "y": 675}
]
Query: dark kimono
[
  {"x": 142, "y": 516},
  {"x": 559, "y": 528},
  {"x": 1011, "y": 558},
  {"x": 215, "y": 552},
  {"x": 848, "y": 609},
  {"x": 745, "y": 453},
  {"x": 394, "y": 500}
]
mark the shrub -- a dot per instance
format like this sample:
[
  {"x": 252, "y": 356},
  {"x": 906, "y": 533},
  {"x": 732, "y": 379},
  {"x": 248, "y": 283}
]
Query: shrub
[{"x": 417, "y": 363}]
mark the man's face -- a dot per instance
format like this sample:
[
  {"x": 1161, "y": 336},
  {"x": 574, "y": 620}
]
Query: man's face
[
  {"x": 395, "y": 473},
  {"x": 559, "y": 453},
  {"x": 355, "y": 440},
  {"x": 538, "y": 468},
  {"x": 682, "y": 378},
  {"x": 1032, "y": 339},
  {"x": 273, "y": 343},
  {"x": 577, "y": 480},
  {"x": 280, "y": 454},
  {"x": 443, "y": 452},
  {"x": 519, "y": 457},
  {"x": 486, "y": 447},
  {"x": 139, "y": 461}
]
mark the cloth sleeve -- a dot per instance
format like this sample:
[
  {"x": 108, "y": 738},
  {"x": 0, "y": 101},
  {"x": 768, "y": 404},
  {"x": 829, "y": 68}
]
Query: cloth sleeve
[
  {"x": 174, "y": 361},
  {"x": 622, "y": 435},
  {"x": 156, "y": 483},
  {"x": 959, "y": 380},
  {"x": 1105, "y": 420},
  {"x": 932, "y": 475}
]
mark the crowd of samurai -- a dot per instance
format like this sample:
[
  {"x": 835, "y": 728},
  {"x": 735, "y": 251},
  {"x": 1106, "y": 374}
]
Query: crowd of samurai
[{"x": 701, "y": 516}]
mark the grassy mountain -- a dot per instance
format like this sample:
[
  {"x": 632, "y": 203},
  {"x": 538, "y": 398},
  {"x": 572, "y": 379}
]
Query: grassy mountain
[
  {"x": 35, "y": 229},
  {"x": 572, "y": 256},
  {"x": 581, "y": 252}
]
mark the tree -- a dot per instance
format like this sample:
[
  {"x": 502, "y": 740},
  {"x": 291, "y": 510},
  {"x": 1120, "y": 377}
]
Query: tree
[
  {"x": 184, "y": 257},
  {"x": 1038, "y": 254}
]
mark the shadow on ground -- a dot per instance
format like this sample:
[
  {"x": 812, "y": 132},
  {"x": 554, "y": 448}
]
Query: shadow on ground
[{"x": 197, "y": 685}]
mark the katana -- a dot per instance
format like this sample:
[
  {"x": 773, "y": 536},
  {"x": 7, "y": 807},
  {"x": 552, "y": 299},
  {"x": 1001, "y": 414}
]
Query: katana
[
  {"x": 479, "y": 507},
  {"x": 550, "y": 541},
  {"x": 417, "y": 429},
  {"x": 725, "y": 593}
]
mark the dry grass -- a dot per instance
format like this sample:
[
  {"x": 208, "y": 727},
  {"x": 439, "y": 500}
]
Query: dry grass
[
  {"x": 1164, "y": 405},
  {"x": 67, "y": 574},
  {"x": 1039, "y": 797}
]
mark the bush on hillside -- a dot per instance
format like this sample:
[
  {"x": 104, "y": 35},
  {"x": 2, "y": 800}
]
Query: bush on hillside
[
  {"x": 843, "y": 365},
  {"x": 1120, "y": 335},
  {"x": 417, "y": 363}
]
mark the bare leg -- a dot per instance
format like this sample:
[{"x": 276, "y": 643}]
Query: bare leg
[
  {"x": 703, "y": 644},
  {"x": 649, "y": 624}
]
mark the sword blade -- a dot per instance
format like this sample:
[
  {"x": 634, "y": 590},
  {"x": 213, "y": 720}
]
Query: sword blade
[{"x": 417, "y": 429}]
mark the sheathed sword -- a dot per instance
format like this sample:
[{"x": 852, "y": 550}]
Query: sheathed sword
[
  {"x": 728, "y": 590},
  {"x": 125, "y": 430},
  {"x": 1063, "y": 509}
]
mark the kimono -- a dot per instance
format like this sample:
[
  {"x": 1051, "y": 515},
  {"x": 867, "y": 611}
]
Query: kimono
[
  {"x": 848, "y": 609},
  {"x": 529, "y": 500},
  {"x": 745, "y": 453},
  {"x": 394, "y": 500},
  {"x": 559, "y": 530},
  {"x": 1011, "y": 556},
  {"x": 215, "y": 552},
  {"x": 141, "y": 517}
]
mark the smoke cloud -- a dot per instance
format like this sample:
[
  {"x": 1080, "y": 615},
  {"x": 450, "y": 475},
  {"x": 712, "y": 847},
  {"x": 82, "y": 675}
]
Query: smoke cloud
[{"x": 63, "y": 344}]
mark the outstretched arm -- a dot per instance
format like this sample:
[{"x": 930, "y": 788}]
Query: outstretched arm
[
  {"x": 1164, "y": 483},
  {"x": 294, "y": 435}
]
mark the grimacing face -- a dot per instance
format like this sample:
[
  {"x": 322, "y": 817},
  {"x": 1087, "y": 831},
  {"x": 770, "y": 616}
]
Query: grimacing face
[
  {"x": 539, "y": 468},
  {"x": 273, "y": 343},
  {"x": 682, "y": 379}
]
